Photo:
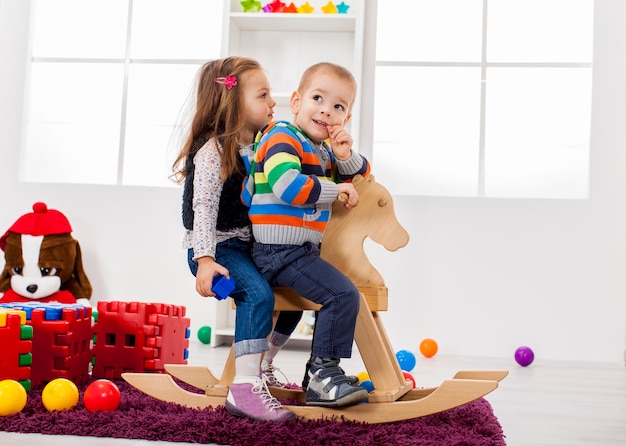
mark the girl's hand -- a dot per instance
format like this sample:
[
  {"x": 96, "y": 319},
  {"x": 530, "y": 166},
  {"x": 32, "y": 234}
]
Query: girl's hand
[
  {"x": 340, "y": 142},
  {"x": 207, "y": 269}
]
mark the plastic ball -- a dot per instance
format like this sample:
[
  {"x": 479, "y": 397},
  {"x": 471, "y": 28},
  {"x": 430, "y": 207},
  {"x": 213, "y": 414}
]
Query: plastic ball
[
  {"x": 367, "y": 385},
  {"x": 406, "y": 359},
  {"x": 103, "y": 395},
  {"x": 12, "y": 397},
  {"x": 524, "y": 356},
  {"x": 409, "y": 377},
  {"x": 428, "y": 347},
  {"x": 363, "y": 376},
  {"x": 204, "y": 334},
  {"x": 60, "y": 394}
]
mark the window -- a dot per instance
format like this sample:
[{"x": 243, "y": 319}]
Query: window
[
  {"x": 107, "y": 83},
  {"x": 484, "y": 98}
]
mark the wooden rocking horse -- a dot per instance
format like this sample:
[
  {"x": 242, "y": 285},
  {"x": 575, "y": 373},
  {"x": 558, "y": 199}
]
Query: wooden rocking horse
[{"x": 393, "y": 399}]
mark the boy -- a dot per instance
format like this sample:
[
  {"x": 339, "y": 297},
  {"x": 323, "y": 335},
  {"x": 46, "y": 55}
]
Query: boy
[{"x": 297, "y": 178}]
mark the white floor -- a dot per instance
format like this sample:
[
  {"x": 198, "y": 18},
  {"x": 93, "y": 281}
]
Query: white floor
[{"x": 545, "y": 404}]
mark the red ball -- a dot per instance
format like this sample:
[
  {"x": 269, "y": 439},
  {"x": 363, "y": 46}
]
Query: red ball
[
  {"x": 102, "y": 395},
  {"x": 409, "y": 377}
]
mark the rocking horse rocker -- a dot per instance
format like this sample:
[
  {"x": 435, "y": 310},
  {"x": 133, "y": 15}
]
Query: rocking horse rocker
[{"x": 393, "y": 399}]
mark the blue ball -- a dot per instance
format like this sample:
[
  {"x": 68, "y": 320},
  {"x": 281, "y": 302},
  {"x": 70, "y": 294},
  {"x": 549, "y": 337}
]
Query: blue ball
[
  {"x": 406, "y": 359},
  {"x": 367, "y": 385}
]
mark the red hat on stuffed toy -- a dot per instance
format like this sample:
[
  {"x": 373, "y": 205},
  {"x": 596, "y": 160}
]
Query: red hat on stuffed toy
[{"x": 42, "y": 221}]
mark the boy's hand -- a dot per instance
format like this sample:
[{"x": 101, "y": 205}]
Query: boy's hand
[
  {"x": 340, "y": 142},
  {"x": 348, "y": 195}
]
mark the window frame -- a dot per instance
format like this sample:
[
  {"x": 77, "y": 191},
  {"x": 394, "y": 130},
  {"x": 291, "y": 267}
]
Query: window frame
[{"x": 484, "y": 65}]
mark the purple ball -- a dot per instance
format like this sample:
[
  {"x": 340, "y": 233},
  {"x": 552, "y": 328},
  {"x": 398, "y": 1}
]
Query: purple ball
[{"x": 524, "y": 356}]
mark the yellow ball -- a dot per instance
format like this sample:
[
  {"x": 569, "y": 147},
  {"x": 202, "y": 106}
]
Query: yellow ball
[
  {"x": 363, "y": 376},
  {"x": 12, "y": 397},
  {"x": 60, "y": 394}
]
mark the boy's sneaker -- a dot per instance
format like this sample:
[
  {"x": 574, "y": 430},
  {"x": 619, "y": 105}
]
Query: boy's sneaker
[
  {"x": 305, "y": 381},
  {"x": 329, "y": 386},
  {"x": 267, "y": 371},
  {"x": 253, "y": 400}
]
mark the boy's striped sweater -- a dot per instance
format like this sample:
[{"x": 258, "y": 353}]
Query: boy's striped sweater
[{"x": 295, "y": 185}]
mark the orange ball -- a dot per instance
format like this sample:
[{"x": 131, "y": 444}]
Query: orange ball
[{"x": 428, "y": 347}]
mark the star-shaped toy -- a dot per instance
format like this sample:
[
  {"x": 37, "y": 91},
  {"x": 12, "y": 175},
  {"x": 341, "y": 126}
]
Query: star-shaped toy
[
  {"x": 276, "y": 6},
  {"x": 250, "y": 6},
  {"x": 342, "y": 8},
  {"x": 329, "y": 8},
  {"x": 291, "y": 8},
  {"x": 306, "y": 8}
]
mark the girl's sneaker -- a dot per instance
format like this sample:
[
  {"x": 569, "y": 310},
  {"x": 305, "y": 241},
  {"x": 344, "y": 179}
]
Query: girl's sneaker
[
  {"x": 267, "y": 371},
  {"x": 252, "y": 399}
]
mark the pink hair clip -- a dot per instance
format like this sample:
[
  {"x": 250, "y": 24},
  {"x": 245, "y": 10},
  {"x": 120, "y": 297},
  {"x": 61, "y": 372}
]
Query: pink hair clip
[{"x": 229, "y": 81}]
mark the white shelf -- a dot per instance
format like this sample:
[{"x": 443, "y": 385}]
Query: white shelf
[
  {"x": 286, "y": 44},
  {"x": 279, "y": 22}
]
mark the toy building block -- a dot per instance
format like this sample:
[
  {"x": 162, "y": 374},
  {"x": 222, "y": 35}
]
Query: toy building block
[
  {"x": 61, "y": 341},
  {"x": 139, "y": 337},
  {"x": 16, "y": 351},
  {"x": 222, "y": 286}
]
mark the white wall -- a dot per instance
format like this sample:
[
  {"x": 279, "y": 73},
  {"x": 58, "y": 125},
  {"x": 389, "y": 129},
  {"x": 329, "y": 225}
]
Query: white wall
[{"x": 481, "y": 276}]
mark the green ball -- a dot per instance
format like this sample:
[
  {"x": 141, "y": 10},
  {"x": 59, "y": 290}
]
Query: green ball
[{"x": 204, "y": 334}]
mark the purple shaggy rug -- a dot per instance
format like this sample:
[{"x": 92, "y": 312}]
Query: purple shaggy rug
[{"x": 143, "y": 417}]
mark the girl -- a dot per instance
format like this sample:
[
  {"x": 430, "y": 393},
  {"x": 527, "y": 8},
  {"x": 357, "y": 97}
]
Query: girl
[{"x": 233, "y": 102}]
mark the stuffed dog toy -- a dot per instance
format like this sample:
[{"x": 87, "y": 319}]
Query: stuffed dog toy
[{"x": 43, "y": 262}]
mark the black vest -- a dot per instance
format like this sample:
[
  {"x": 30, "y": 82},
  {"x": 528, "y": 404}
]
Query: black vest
[{"x": 232, "y": 213}]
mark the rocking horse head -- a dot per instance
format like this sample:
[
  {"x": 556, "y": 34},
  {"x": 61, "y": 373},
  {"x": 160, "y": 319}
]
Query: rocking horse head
[{"x": 374, "y": 217}]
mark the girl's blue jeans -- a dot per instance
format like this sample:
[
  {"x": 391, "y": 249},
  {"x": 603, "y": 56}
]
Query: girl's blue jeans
[
  {"x": 252, "y": 295},
  {"x": 302, "y": 269}
]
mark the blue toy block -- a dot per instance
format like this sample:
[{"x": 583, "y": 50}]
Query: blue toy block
[{"x": 222, "y": 286}]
